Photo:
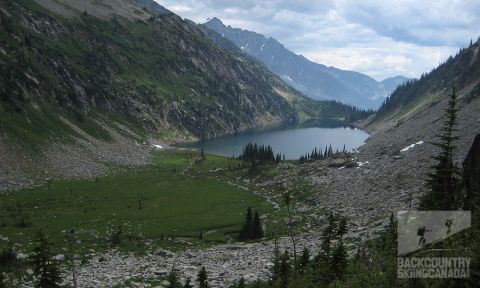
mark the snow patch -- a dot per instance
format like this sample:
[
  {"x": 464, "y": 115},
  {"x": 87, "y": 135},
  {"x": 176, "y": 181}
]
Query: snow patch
[
  {"x": 288, "y": 78},
  {"x": 411, "y": 146},
  {"x": 157, "y": 146}
]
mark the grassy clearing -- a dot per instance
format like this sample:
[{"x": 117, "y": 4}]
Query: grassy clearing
[{"x": 147, "y": 205}]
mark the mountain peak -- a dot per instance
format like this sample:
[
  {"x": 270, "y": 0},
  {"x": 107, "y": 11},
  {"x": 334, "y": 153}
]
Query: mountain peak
[
  {"x": 215, "y": 22},
  {"x": 153, "y": 6},
  {"x": 396, "y": 78},
  {"x": 315, "y": 80}
]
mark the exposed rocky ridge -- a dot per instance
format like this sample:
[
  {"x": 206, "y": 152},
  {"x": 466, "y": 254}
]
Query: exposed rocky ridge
[{"x": 315, "y": 80}]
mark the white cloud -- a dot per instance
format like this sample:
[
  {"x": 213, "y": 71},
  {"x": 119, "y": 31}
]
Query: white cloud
[
  {"x": 388, "y": 59},
  {"x": 376, "y": 37}
]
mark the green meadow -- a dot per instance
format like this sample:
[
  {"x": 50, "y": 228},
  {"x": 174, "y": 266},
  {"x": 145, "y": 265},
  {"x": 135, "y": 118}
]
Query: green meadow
[{"x": 153, "y": 205}]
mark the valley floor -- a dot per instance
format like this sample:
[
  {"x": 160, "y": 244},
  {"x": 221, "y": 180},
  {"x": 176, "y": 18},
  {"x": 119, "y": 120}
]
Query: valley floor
[{"x": 387, "y": 175}]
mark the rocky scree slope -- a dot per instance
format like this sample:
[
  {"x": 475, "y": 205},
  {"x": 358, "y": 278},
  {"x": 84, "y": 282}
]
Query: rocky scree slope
[{"x": 400, "y": 148}]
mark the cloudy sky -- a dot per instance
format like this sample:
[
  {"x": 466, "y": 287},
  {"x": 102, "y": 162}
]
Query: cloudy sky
[{"x": 376, "y": 37}]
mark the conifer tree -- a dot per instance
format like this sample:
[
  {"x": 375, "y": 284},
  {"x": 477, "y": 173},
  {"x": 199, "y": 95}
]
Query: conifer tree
[
  {"x": 247, "y": 231},
  {"x": 241, "y": 283},
  {"x": 339, "y": 260},
  {"x": 342, "y": 228},
  {"x": 304, "y": 262},
  {"x": 287, "y": 198},
  {"x": 173, "y": 279},
  {"x": 44, "y": 266},
  {"x": 257, "y": 227},
  {"x": 202, "y": 278},
  {"x": 324, "y": 258},
  {"x": 276, "y": 263},
  {"x": 188, "y": 283},
  {"x": 443, "y": 181},
  {"x": 284, "y": 270}
]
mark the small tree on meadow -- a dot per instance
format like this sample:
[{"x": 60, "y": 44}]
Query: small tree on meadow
[
  {"x": 44, "y": 266},
  {"x": 257, "y": 227}
]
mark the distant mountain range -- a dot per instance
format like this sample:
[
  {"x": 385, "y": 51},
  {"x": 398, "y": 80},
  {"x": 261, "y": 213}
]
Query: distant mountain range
[
  {"x": 315, "y": 80},
  {"x": 390, "y": 84}
]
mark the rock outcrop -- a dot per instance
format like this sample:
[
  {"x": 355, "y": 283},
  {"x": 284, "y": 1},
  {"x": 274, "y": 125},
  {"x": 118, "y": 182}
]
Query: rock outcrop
[{"x": 471, "y": 175}]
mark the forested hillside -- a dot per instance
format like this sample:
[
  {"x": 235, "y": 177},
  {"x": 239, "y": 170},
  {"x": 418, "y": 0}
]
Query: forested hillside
[{"x": 461, "y": 71}]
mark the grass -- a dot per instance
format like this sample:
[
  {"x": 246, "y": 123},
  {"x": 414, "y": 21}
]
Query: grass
[
  {"x": 35, "y": 127},
  {"x": 412, "y": 106},
  {"x": 149, "y": 204}
]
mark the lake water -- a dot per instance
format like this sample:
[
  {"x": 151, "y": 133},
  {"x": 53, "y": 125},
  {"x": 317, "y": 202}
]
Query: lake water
[{"x": 293, "y": 142}]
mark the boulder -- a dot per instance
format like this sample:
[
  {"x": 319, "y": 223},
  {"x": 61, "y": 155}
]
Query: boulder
[{"x": 338, "y": 162}]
